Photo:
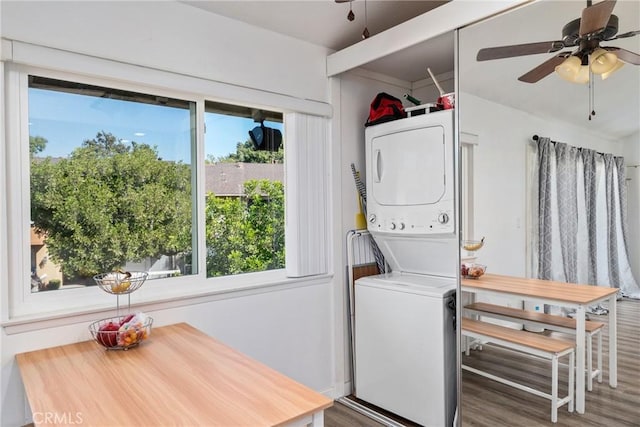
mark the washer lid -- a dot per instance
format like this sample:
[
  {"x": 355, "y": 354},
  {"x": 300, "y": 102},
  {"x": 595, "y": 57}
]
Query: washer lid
[{"x": 419, "y": 284}]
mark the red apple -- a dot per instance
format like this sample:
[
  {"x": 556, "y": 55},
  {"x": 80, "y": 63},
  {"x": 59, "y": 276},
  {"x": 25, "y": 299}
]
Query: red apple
[{"x": 108, "y": 334}]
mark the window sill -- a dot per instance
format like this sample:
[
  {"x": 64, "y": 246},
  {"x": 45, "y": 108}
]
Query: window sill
[{"x": 167, "y": 295}]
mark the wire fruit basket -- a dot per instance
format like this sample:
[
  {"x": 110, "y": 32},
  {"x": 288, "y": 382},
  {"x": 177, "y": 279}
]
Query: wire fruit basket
[
  {"x": 472, "y": 270},
  {"x": 126, "y": 331},
  {"x": 472, "y": 245},
  {"x": 120, "y": 282},
  {"x": 122, "y": 332}
]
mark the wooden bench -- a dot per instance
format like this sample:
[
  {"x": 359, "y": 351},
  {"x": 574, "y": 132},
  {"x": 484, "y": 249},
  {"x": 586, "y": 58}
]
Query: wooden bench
[
  {"x": 552, "y": 322},
  {"x": 531, "y": 343}
]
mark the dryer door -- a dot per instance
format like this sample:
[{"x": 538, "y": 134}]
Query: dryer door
[{"x": 408, "y": 167}]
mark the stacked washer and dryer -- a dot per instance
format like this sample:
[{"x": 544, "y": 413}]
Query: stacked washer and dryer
[{"x": 405, "y": 336}]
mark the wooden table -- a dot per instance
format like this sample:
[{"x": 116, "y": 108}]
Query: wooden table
[
  {"x": 179, "y": 376},
  {"x": 563, "y": 294}
]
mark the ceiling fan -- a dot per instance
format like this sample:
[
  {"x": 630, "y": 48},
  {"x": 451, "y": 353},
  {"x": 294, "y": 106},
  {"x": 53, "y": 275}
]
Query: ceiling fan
[{"x": 597, "y": 24}]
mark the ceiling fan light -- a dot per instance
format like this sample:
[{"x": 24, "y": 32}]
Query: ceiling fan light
[
  {"x": 616, "y": 67},
  {"x": 583, "y": 75},
  {"x": 603, "y": 61},
  {"x": 569, "y": 68}
]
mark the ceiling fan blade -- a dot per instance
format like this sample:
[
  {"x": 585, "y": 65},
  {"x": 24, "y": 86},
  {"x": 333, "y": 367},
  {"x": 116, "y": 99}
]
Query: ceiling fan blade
[
  {"x": 625, "y": 55},
  {"x": 499, "y": 52},
  {"x": 625, "y": 35},
  {"x": 595, "y": 18},
  {"x": 543, "y": 70}
]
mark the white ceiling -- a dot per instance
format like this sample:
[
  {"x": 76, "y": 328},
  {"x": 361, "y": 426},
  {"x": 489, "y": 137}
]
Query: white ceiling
[
  {"x": 324, "y": 23},
  {"x": 617, "y": 100},
  {"x": 321, "y": 22}
]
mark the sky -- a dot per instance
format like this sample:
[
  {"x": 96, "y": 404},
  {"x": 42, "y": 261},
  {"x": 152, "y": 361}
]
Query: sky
[{"x": 66, "y": 120}]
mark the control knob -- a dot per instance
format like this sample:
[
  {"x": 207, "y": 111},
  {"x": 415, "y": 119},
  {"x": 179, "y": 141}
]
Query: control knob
[
  {"x": 372, "y": 218},
  {"x": 443, "y": 218},
  {"x": 392, "y": 226}
]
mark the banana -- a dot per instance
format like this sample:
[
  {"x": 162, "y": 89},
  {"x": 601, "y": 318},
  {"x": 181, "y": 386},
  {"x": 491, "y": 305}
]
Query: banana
[{"x": 474, "y": 246}]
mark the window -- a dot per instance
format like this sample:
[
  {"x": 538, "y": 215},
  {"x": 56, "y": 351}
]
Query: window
[
  {"x": 110, "y": 183},
  {"x": 244, "y": 190},
  {"x": 88, "y": 157}
]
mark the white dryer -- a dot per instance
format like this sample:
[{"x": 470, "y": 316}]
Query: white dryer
[{"x": 411, "y": 192}]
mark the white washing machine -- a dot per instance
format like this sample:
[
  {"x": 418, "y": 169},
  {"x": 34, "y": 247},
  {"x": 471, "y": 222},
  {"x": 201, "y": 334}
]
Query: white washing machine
[
  {"x": 405, "y": 348},
  {"x": 405, "y": 338}
]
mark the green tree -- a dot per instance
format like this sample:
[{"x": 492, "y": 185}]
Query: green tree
[
  {"x": 109, "y": 203},
  {"x": 246, "y": 234},
  {"x": 37, "y": 144},
  {"x": 246, "y": 153}
]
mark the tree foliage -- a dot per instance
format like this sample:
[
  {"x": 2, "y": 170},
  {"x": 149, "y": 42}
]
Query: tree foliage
[
  {"x": 37, "y": 144},
  {"x": 109, "y": 203},
  {"x": 246, "y": 153},
  {"x": 246, "y": 234}
]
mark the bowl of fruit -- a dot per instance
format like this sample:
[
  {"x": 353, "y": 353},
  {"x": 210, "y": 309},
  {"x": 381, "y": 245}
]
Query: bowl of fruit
[
  {"x": 472, "y": 245},
  {"x": 472, "y": 270},
  {"x": 120, "y": 282},
  {"x": 122, "y": 332}
]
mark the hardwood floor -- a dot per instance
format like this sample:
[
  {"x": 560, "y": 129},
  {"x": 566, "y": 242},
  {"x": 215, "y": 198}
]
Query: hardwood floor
[
  {"x": 489, "y": 403},
  {"x": 340, "y": 415}
]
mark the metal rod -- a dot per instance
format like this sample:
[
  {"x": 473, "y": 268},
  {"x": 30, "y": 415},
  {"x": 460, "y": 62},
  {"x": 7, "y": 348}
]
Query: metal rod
[{"x": 376, "y": 416}]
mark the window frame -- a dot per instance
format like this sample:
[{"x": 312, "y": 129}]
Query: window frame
[
  {"x": 467, "y": 143},
  {"x": 20, "y": 307}
]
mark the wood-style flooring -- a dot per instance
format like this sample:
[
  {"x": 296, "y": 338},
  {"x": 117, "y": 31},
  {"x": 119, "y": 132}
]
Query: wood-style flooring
[{"x": 486, "y": 403}]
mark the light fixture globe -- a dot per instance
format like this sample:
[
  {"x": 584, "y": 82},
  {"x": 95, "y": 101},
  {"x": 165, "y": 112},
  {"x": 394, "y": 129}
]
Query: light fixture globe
[
  {"x": 616, "y": 67},
  {"x": 583, "y": 75},
  {"x": 603, "y": 61},
  {"x": 569, "y": 68}
]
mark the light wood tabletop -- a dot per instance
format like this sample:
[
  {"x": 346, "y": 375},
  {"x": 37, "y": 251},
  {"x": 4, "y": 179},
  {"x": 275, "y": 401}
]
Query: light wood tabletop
[
  {"x": 570, "y": 295},
  {"x": 536, "y": 288},
  {"x": 179, "y": 376}
]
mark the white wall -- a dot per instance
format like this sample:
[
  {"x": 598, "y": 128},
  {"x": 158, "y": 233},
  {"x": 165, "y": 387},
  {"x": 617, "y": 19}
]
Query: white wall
[
  {"x": 174, "y": 37},
  {"x": 290, "y": 328},
  {"x": 500, "y": 175}
]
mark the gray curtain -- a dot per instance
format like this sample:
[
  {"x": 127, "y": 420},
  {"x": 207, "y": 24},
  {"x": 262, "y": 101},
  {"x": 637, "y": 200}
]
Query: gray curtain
[
  {"x": 544, "y": 208},
  {"x": 590, "y": 185},
  {"x": 562, "y": 159},
  {"x": 582, "y": 233},
  {"x": 566, "y": 164},
  {"x": 612, "y": 217}
]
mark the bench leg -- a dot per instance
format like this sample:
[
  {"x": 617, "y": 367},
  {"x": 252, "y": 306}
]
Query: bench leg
[
  {"x": 600, "y": 355},
  {"x": 589, "y": 362},
  {"x": 554, "y": 389},
  {"x": 572, "y": 373}
]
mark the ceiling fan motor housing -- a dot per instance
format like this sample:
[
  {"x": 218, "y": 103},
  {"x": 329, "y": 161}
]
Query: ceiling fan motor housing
[{"x": 571, "y": 32}]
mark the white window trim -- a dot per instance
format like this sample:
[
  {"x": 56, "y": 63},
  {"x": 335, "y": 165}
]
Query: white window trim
[
  {"x": 467, "y": 143},
  {"x": 19, "y": 305}
]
